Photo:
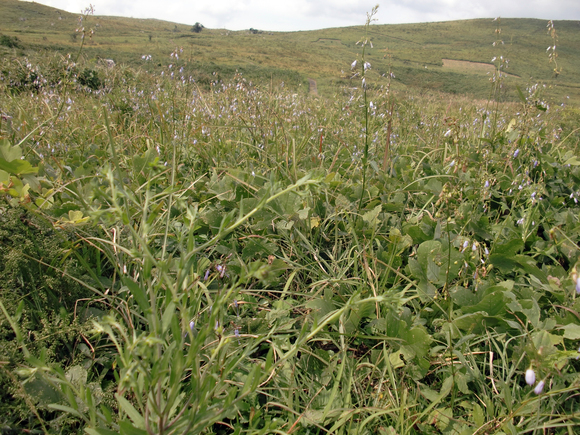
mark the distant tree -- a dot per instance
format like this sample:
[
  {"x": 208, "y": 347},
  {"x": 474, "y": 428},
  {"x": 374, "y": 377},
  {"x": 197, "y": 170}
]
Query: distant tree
[{"x": 197, "y": 27}]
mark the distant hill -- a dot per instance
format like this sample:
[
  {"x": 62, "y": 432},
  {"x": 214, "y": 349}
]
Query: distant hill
[{"x": 453, "y": 57}]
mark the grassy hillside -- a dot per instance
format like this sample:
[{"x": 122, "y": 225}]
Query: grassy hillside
[{"x": 413, "y": 52}]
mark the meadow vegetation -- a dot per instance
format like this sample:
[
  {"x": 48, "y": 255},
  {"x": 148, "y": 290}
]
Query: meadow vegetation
[{"x": 215, "y": 253}]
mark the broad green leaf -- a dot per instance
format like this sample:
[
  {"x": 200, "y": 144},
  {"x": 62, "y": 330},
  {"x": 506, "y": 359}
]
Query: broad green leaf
[
  {"x": 128, "y": 429},
  {"x": 416, "y": 233},
  {"x": 438, "y": 265},
  {"x": 131, "y": 412},
  {"x": 141, "y": 162},
  {"x": 441, "y": 417},
  {"x": 358, "y": 313},
  {"x": 167, "y": 317},
  {"x": 416, "y": 270},
  {"x": 66, "y": 409},
  {"x": 544, "y": 342},
  {"x": 430, "y": 395},
  {"x": 77, "y": 375},
  {"x": 42, "y": 392},
  {"x": 510, "y": 248},
  {"x": 504, "y": 262},
  {"x": 461, "y": 382},
  {"x": 4, "y": 177},
  {"x": 8, "y": 152},
  {"x": 464, "y": 297},
  {"x": 17, "y": 167},
  {"x": 571, "y": 331},
  {"x": 395, "y": 360},
  {"x": 477, "y": 323},
  {"x": 478, "y": 416},
  {"x": 416, "y": 342},
  {"x": 320, "y": 308},
  {"x": 100, "y": 431},
  {"x": 312, "y": 416},
  {"x": 529, "y": 265},
  {"x": 371, "y": 217},
  {"x": 572, "y": 161},
  {"x": 138, "y": 293},
  {"x": 493, "y": 304}
]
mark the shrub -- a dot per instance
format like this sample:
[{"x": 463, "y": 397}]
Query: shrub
[
  {"x": 90, "y": 78},
  {"x": 197, "y": 27},
  {"x": 10, "y": 41}
]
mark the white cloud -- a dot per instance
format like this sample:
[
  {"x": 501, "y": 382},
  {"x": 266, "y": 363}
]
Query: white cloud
[{"x": 317, "y": 14}]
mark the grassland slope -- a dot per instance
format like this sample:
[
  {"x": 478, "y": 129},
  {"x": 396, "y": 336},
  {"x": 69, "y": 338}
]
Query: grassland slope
[{"x": 413, "y": 53}]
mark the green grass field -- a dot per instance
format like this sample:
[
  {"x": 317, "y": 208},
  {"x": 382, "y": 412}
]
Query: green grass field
[
  {"x": 414, "y": 53},
  {"x": 194, "y": 243}
]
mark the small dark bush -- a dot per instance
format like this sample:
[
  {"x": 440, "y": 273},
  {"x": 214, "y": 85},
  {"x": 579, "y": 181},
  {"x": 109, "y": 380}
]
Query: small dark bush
[
  {"x": 90, "y": 78},
  {"x": 22, "y": 78},
  {"x": 197, "y": 27},
  {"x": 10, "y": 41}
]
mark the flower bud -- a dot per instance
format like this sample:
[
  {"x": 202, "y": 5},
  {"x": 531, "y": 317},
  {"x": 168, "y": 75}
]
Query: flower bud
[
  {"x": 539, "y": 388},
  {"x": 530, "y": 377},
  {"x": 578, "y": 285}
]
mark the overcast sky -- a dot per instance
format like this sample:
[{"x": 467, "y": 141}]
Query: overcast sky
[{"x": 288, "y": 15}]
